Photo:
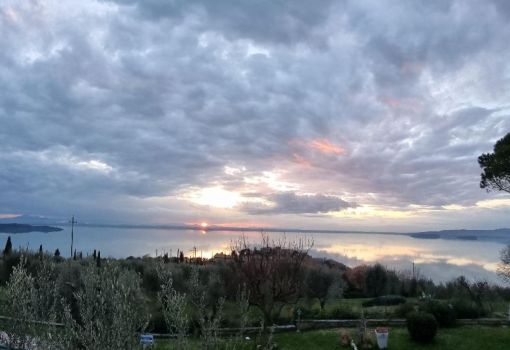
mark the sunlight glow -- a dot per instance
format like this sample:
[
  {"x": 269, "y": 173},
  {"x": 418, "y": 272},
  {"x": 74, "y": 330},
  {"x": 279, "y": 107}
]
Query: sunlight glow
[{"x": 216, "y": 197}]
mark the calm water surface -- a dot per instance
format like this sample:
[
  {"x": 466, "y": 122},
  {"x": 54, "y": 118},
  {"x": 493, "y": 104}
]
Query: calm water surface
[{"x": 437, "y": 259}]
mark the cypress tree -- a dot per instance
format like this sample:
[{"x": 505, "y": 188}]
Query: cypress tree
[
  {"x": 57, "y": 253},
  {"x": 98, "y": 261},
  {"x": 181, "y": 257},
  {"x": 94, "y": 255},
  {"x": 40, "y": 250},
  {"x": 8, "y": 246},
  {"x": 74, "y": 255}
]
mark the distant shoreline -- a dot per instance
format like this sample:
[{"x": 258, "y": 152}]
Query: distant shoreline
[
  {"x": 498, "y": 235},
  {"x": 26, "y": 228}
]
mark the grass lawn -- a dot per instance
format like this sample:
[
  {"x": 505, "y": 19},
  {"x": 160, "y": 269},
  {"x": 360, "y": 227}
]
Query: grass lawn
[{"x": 463, "y": 338}]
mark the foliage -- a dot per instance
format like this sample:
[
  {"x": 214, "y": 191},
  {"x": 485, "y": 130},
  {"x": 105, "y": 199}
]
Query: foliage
[
  {"x": 504, "y": 265},
  {"x": 465, "y": 308},
  {"x": 33, "y": 305},
  {"x": 8, "y": 246},
  {"x": 385, "y": 300},
  {"x": 496, "y": 166},
  {"x": 444, "y": 313},
  {"x": 376, "y": 281},
  {"x": 322, "y": 283},
  {"x": 110, "y": 306},
  {"x": 208, "y": 318},
  {"x": 174, "y": 308},
  {"x": 422, "y": 326}
]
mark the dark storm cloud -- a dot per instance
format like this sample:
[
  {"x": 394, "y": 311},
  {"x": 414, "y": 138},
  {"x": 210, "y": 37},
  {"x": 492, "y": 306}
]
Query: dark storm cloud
[
  {"x": 112, "y": 101},
  {"x": 291, "y": 203}
]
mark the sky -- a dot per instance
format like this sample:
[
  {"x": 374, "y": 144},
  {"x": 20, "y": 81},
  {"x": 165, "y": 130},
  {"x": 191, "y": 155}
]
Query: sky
[{"x": 357, "y": 115}]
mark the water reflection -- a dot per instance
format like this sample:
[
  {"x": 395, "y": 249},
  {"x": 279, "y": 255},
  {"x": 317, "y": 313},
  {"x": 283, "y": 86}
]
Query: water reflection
[{"x": 438, "y": 259}]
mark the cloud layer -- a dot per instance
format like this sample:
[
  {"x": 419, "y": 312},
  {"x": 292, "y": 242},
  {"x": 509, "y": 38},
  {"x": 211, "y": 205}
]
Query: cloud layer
[{"x": 124, "y": 110}]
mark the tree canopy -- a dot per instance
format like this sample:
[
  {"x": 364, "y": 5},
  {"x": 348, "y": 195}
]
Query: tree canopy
[{"x": 496, "y": 167}]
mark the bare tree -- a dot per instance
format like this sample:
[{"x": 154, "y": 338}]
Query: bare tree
[{"x": 273, "y": 271}]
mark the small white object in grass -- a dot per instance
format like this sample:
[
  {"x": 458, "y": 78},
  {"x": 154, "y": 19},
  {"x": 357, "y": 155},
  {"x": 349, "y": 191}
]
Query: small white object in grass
[{"x": 247, "y": 338}]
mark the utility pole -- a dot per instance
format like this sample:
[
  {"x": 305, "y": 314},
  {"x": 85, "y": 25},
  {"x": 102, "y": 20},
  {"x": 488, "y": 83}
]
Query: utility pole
[{"x": 73, "y": 221}]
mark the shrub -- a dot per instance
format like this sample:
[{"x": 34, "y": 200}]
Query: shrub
[
  {"x": 467, "y": 309},
  {"x": 343, "y": 312},
  {"x": 385, "y": 300},
  {"x": 444, "y": 313},
  {"x": 422, "y": 326},
  {"x": 404, "y": 309}
]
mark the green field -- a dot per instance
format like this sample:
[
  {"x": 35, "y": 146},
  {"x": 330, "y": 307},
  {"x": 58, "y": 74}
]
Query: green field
[{"x": 463, "y": 338}]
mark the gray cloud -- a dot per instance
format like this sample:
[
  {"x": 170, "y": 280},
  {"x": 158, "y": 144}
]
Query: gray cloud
[
  {"x": 108, "y": 104},
  {"x": 291, "y": 203}
]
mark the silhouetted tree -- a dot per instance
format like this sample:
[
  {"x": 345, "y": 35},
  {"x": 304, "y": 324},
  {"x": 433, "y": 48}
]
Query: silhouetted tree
[
  {"x": 321, "y": 283},
  {"x": 273, "y": 274},
  {"x": 94, "y": 255},
  {"x": 98, "y": 260},
  {"x": 74, "y": 255},
  {"x": 57, "y": 253},
  {"x": 8, "y": 246},
  {"x": 376, "y": 281},
  {"x": 166, "y": 259},
  {"x": 181, "y": 257},
  {"x": 40, "y": 249},
  {"x": 496, "y": 167}
]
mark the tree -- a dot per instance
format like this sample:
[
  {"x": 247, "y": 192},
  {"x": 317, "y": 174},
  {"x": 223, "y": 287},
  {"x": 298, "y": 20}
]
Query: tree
[
  {"x": 496, "y": 167},
  {"x": 8, "y": 246},
  {"x": 35, "y": 309},
  {"x": 273, "y": 274},
  {"x": 57, "y": 253},
  {"x": 111, "y": 308},
  {"x": 174, "y": 307},
  {"x": 376, "y": 281},
  {"x": 323, "y": 283},
  {"x": 504, "y": 265}
]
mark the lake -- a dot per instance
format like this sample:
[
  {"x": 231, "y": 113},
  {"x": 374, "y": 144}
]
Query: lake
[{"x": 438, "y": 259}]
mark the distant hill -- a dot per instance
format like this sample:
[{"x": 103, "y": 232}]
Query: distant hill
[
  {"x": 31, "y": 220},
  {"x": 25, "y": 228},
  {"x": 501, "y": 235}
]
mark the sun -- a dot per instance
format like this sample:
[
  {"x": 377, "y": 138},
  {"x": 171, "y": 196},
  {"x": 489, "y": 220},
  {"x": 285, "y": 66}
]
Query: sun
[{"x": 204, "y": 224}]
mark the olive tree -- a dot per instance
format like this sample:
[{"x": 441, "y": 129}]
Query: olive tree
[
  {"x": 174, "y": 307},
  {"x": 35, "y": 309},
  {"x": 111, "y": 308}
]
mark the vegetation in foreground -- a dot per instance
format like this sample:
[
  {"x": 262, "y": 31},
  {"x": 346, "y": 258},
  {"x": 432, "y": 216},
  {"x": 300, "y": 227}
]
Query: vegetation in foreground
[{"x": 93, "y": 302}]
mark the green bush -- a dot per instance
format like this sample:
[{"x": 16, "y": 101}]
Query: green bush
[
  {"x": 444, "y": 313},
  {"x": 422, "y": 326},
  {"x": 404, "y": 309},
  {"x": 467, "y": 309},
  {"x": 385, "y": 300},
  {"x": 343, "y": 312}
]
